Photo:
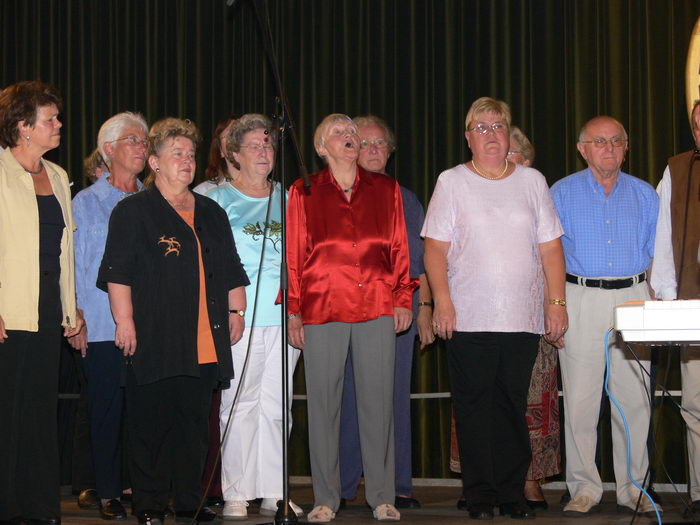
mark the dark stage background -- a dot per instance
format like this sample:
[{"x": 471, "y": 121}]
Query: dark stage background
[{"x": 417, "y": 63}]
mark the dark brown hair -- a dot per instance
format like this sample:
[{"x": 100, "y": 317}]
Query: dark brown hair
[
  {"x": 20, "y": 102},
  {"x": 217, "y": 170}
]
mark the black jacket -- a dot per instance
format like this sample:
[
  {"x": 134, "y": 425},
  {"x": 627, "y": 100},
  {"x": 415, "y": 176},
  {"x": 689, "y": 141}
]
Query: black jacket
[{"x": 151, "y": 249}]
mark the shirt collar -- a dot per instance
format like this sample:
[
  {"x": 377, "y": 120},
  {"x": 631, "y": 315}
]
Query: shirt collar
[
  {"x": 103, "y": 189},
  {"x": 598, "y": 187}
]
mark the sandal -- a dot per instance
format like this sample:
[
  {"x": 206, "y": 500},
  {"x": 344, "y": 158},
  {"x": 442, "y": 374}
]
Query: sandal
[
  {"x": 386, "y": 512},
  {"x": 320, "y": 514}
]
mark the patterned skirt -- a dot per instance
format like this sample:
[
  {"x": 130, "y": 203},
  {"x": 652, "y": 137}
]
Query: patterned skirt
[{"x": 542, "y": 418}]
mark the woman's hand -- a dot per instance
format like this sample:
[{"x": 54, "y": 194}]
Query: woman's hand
[
  {"x": 79, "y": 340},
  {"x": 295, "y": 332},
  {"x": 125, "y": 336},
  {"x": 556, "y": 322},
  {"x": 79, "y": 324},
  {"x": 402, "y": 319},
  {"x": 425, "y": 331},
  {"x": 444, "y": 318},
  {"x": 3, "y": 332},
  {"x": 236, "y": 325}
]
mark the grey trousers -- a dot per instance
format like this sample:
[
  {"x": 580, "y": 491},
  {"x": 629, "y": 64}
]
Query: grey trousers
[{"x": 372, "y": 344}]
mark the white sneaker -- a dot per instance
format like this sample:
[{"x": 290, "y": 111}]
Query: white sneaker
[
  {"x": 235, "y": 510},
  {"x": 268, "y": 507}
]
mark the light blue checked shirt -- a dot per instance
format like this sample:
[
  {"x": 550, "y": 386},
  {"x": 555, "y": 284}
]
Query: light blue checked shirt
[
  {"x": 92, "y": 208},
  {"x": 606, "y": 235}
]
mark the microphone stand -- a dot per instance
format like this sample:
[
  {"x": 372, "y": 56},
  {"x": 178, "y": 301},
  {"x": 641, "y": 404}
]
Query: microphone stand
[{"x": 284, "y": 514}]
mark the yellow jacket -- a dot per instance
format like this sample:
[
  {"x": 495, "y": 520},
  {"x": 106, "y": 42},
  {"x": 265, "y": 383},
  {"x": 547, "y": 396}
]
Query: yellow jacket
[{"x": 19, "y": 245}]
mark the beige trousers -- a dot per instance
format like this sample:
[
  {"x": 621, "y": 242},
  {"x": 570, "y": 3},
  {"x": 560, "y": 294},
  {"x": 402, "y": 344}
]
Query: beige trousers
[
  {"x": 690, "y": 376},
  {"x": 582, "y": 363}
]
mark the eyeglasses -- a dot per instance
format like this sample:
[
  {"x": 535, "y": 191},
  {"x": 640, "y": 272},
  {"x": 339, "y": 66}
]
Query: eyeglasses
[
  {"x": 379, "y": 143},
  {"x": 483, "y": 129},
  {"x": 600, "y": 142},
  {"x": 132, "y": 140},
  {"x": 258, "y": 147},
  {"x": 512, "y": 153}
]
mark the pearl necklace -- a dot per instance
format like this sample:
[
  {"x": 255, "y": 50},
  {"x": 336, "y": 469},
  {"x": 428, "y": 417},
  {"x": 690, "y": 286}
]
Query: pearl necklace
[{"x": 505, "y": 168}]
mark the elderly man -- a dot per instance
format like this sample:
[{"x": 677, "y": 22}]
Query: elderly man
[
  {"x": 609, "y": 220},
  {"x": 676, "y": 275},
  {"x": 377, "y": 143}
]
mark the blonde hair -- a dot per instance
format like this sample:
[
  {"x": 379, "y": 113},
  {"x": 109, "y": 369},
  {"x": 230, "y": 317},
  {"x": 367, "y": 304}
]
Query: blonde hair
[
  {"x": 527, "y": 150},
  {"x": 487, "y": 105},
  {"x": 164, "y": 130},
  {"x": 322, "y": 128}
]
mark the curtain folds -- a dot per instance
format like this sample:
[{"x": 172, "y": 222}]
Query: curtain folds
[{"x": 417, "y": 63}]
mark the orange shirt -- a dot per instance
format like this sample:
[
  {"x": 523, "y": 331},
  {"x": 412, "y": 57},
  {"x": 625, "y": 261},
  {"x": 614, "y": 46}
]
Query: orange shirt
[
  {"x": 348, "y": 260},
  {"x": 206, "y": 352}
]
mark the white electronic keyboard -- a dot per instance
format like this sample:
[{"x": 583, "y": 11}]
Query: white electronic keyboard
[{"x": 659, "y": 322}]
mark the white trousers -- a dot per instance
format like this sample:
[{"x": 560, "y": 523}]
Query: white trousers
[
  {"x": 582, "y": 363},
  {"x": 690, "y": 377},
  {"x": 251, "y": 459}
]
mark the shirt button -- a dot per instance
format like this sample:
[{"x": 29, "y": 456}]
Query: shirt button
[
  {"x": 354, "y": 245},
  {"x": 210, "y": 275},
  {"x": 213, "y": 301},
  {"x": 357, "y": 264},
  {"x": 607, "y": 222},
  {"x": 217, "y": 326},
  {"x": 609, "y": 241},
  {"x": 609, "y": 264},
  {"x": 359, "y": 284}
]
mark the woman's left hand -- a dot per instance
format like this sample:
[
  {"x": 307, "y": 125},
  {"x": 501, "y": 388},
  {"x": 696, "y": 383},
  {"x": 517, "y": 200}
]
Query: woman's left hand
[
  {"x": 402, "y": 319},
  {"x": 556, "y": 322},
  {"x": 79, "y": 325},
  {"x": 425, "y": 330},
  {"x": 236, "y": 325}
]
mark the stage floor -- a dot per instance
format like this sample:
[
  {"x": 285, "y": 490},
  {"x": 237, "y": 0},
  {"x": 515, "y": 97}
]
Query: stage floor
[{"x": 439, "y": 506}]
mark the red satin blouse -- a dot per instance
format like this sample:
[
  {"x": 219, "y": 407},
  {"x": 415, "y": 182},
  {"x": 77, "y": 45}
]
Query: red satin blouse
[{"x": 348, "y": 260}]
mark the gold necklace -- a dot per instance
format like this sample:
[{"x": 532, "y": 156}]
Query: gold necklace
[{"x": 505, "y": 168}]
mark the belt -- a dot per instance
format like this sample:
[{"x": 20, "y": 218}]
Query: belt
[{"x": 606, "y": 284}]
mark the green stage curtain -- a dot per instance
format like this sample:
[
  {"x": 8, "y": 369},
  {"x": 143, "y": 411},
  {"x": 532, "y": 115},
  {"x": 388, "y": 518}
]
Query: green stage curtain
[{"x": 417, "y": 63}]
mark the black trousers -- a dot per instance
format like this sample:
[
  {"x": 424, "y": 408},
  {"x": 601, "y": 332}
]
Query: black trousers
[
  {"x": 490, "y": 377},
  {"x": 29, "y": 464},
  {"x": 168, "y": 430},
  {"x": 83, "y": 471}
]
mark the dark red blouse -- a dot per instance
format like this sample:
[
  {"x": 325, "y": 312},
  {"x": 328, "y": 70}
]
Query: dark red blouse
[{"x": 348, "y": 260}]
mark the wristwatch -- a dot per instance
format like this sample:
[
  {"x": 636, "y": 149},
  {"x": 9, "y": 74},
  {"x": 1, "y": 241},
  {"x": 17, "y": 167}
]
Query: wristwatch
[{"x": 237, "y": 312}]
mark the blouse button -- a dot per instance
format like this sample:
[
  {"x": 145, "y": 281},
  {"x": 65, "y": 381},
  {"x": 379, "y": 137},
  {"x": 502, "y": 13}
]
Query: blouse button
[
  {"x": 359, "y": 284},
  {"x": 217, "y": 326},
  {"x": 210, "y": 275}
]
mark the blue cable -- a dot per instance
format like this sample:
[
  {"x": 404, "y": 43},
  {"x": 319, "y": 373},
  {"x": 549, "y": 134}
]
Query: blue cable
[{"x": 624, "y": 420}]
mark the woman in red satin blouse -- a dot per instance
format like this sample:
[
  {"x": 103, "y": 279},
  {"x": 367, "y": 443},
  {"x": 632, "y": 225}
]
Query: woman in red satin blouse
[{"x": 349, "y": 290}]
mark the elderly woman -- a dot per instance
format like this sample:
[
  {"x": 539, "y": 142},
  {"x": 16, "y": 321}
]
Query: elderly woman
[
  {"x": 176, "y": 288},
  {"x": 37, "y": 296},
  {"x": 543, "y": 396},
  {"x": 122, "y": 143},
  {"x": 377, "y": 143},
  {"x": 491, "y": 235},
  {"x": 349, "y": 290},
  {"x": 251, "y": 456},
  {"x": 220, "y": 169}
]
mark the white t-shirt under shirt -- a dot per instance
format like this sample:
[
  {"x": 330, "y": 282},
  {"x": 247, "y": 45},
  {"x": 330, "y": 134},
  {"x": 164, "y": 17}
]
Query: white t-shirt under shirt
[{"x": 495, "y": 227}]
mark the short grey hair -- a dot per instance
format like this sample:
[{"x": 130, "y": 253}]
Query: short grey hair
[
  {"x": 247, "y": 123},
  {"x": 113, "y": 127},
  {"x": 322, "y": 128},
  {"x": 369, "y": 120},
  {"x": 527, "y": 150}
]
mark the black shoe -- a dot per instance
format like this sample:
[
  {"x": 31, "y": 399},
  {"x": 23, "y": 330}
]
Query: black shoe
[
  {"x": 169, "y": 512},
  {"x": 205, "y": 514},
  {"x": 343, "y": 504},
  {"x": 535, "y": 504},
  {"x": 565, "y": 497},
  {"x": 406, "y": 502},
  {"x": 462, "y": 504},
  {"x": 17, "y": 520},
  {"x": 692, "y": 512},
  {"x": 44, "y": 521},
  {"x": 518, "y": 511},
  {"x": 481, "y": 512},
  {"x": 150, "y": 517},
  {"x": 88, "y": 499},
  {"x": 113, "y": 510},
  {"x": 215, "y": 501}
]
